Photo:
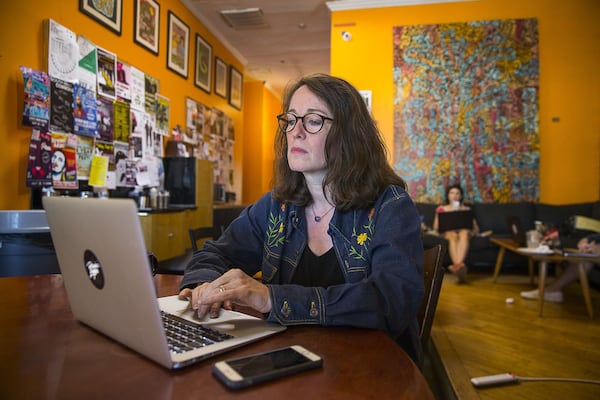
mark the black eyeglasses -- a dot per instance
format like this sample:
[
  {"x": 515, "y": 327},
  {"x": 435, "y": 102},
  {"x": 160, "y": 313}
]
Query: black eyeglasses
[{"x": 311, "y": 122}]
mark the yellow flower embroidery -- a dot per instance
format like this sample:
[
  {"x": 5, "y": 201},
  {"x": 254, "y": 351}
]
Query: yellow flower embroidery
[
  {"x": 361, "y": 239},
  {"x": 275, "y": 229}
]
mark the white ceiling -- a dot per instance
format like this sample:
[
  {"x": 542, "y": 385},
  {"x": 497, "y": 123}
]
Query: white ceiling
[
  {"x": 284, "y": 49},
  {"x": 293, "y": 41}
]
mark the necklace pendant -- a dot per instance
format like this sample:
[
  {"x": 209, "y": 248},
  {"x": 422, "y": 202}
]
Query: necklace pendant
[{"x": 317, "y": 218}]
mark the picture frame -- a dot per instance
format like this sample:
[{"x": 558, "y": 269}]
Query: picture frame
[
  {"x": 203, "y": 64},
  {"x": 178, "y": 45},
  {"x": 220, "y": 78},
  {"x": 146, "y": 24},
  {"x": 236, "y": 87},
  {"x": 108, "y": 13}
]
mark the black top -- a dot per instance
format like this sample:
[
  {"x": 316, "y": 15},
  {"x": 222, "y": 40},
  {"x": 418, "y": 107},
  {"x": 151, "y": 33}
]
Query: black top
[{"x": 318, "y": 270}]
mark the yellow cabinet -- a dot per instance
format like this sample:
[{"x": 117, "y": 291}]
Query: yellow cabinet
[{"x": 166, "y": 232}]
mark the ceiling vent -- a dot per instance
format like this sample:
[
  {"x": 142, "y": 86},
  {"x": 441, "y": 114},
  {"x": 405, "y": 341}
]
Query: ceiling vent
[{"x": 246, "y": 18}]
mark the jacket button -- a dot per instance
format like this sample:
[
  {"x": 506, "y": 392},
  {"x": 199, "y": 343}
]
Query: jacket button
[
  {"x": 314, "y": 312},
  {"x": 285, "y": 309}
]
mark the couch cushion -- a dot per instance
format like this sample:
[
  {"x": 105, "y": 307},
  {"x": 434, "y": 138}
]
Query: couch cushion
[
  {"x": 427, "y": 212},
  {"x": 494, "y": 216}
]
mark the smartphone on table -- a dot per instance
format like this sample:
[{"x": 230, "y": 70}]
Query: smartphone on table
[{"x": 245, "y": 371}]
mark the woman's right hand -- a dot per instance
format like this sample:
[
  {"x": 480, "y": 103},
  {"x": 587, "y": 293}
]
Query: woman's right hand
[
  {"x": 195, "y": 296},
  {"x": 234, "y": 286}
]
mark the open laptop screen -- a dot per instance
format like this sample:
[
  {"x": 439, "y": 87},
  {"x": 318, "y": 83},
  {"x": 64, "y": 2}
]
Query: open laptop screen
[{"x": 454, "y": 220}]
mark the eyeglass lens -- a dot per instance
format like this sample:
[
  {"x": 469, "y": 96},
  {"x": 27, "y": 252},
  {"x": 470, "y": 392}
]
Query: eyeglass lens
[{"x": 311, "y": 122}]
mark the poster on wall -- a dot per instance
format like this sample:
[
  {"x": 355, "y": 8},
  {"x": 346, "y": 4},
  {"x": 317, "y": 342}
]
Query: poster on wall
[
  {"x": 163, "y": 111},
  {"x": 194, "y": 120},
  {"x": 85, "y": 153},
  {"x": 36, "y": 100},
  {"x": 123, "y": 88},
  {"x": 63, "y": 51},
  {"x": 107, "y": 66},
  {"x": 64, "y": 161},
  {"x": 138, "y": 81},
  {"x": 84, "y": 111},
  {"x": 105, "y": 118},
  {"x": 61, "y": 100},
  {"x": 122, "y": 121},
  {"x": 151, "y": 89},
  {"x": 107, "y": 149},
  {"x": 86, "y": 66},
  {"x": 39, "y": 160}
]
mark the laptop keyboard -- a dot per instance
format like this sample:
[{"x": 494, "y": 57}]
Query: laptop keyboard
[{"x": 183, "y": 335}]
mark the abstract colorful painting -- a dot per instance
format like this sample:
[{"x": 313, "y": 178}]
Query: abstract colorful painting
[{"x": 466, "y": 109}]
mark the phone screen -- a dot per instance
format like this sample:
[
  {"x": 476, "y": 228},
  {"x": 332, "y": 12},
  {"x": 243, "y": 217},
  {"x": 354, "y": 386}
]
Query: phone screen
[{"x": 266, "y": 362}]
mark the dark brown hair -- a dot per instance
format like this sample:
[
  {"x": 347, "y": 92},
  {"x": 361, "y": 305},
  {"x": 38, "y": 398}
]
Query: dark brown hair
[
  {"x": 455, "y": 186},
  {"x": 356, "y": 156}
]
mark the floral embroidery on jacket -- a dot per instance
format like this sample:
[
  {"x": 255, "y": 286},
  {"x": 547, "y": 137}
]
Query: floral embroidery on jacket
[
  {"x": 363, "y": 239},
  {"x": 275, "y": 229}
]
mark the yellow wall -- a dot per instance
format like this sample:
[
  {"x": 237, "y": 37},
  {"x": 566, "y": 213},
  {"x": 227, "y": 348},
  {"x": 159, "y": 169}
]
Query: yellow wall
[
  {"x": 569, "y": 83},
  {"x": 21, "y": 43},
  {"x": 259, "y": 132},
  {"x": 569, "y": 34}
]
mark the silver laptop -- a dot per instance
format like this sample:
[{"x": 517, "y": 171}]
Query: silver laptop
[{"x": 110, "y": 287}]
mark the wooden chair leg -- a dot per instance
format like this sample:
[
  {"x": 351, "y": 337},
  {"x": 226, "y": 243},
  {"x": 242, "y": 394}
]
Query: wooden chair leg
[
  {"x": 585, "y": 287},
  {"x": 499, "y": 260}
]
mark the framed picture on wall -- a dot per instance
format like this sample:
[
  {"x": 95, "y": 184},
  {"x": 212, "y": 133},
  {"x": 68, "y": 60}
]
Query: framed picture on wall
[
  {"x": 220, "y": 78},
  {"x": 146, "y": 24},
  {"x": 107, "y": 13},
  {"x": 235, "y": 87},
  {"x": 203, "y": 64},
  {"x": 178, "y": 44}
]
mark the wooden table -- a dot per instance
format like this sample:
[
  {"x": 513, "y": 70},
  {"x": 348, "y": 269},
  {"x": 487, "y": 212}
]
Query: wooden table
[
  {"x": 45, "y": 353},
  {"x": 544, "y": 260}
]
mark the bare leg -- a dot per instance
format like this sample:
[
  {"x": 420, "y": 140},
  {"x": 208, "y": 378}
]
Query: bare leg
[
  {"x": 458, "y": 245},
  {"x": 452, "y": 238},
  {"x": 458, "y": 250},
  {"x": 570, "y": 274},
  {"x": 463, "y": 245}
]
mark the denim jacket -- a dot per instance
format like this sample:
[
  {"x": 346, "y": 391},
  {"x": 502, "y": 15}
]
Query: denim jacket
[{"x": 379, "y": 249}]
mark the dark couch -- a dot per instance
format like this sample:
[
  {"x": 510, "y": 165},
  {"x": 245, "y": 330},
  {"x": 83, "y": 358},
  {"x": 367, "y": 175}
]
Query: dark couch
[{"x": 494, "y": 216}]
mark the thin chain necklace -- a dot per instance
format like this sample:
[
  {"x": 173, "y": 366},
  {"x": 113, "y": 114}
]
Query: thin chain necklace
[{"x": 319, "y": 217}]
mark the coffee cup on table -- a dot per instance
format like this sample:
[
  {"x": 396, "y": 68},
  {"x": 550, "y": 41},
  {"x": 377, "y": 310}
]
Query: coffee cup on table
[{"x": 533, "y": 239}]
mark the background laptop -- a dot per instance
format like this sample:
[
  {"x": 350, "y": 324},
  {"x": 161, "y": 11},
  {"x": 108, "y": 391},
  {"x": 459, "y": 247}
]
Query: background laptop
[
  {"x": 516, "y": 230},
  {"x": 453, "y": 220},
  {"x": 110, "y": 287}
]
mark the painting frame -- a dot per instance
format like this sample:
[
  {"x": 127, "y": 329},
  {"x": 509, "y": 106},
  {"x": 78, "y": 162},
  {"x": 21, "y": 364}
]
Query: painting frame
[
  {"x": 220, "y": 78},
  {"x": 236, "y": 87},
  {"x": 203, "y": 57},
  {"x": 146, "y": 33},
  {"x": 114, "y": 23},
  {"x": 178, "y": 58}
]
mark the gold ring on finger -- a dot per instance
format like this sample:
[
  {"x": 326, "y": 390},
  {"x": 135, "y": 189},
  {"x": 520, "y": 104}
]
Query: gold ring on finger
[{"x": 222, "y": 288}]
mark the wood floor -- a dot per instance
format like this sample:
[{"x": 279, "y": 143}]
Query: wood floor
[{"x": 476, "y": 333}]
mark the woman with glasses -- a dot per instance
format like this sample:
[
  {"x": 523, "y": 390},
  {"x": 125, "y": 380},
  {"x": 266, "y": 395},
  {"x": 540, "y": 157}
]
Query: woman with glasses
[{"x": 337, "y": 240}]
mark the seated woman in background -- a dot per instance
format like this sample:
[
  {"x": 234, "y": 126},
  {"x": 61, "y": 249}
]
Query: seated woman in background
[
  {"x": 553, "y": 292},
  {"x": 458, "y": 240}
]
